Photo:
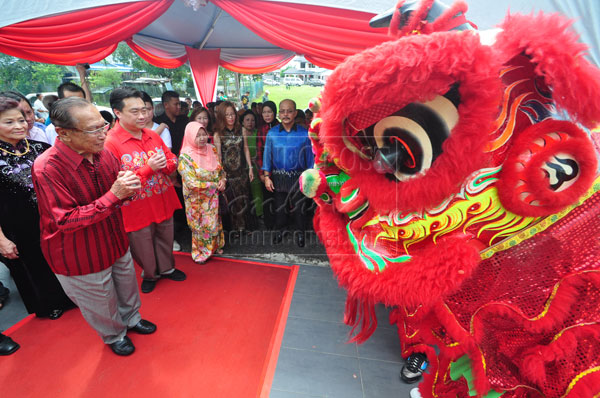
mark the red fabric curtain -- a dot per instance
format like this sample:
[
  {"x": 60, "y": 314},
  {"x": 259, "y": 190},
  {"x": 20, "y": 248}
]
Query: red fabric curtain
[
  {"x": 155, "y": 60},
  {"x": 328, "y": 35},
  {"x": 253, "y": 70},
  {"x": 82, "y": 36},
  {"x": 205, "y": 68}
]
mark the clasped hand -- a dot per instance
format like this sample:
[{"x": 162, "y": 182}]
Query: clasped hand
[
  {"x": 157, "y": 161},
  {"x": 126, "y": 184}
]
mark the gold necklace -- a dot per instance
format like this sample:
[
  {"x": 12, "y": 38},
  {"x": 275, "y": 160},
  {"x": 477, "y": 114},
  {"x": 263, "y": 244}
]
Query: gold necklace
[{"x": 17, "y": 154}]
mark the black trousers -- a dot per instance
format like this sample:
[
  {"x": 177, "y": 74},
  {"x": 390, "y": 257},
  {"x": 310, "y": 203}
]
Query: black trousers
[
  {"x": 180, "y": 225},
  {"x": 291, "y": 209},
  {"x": 268, "y": 208},
  {"x": 37, "y": 284}
]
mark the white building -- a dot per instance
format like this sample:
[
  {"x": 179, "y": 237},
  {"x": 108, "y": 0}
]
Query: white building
[{"x": 300, "y": 67}]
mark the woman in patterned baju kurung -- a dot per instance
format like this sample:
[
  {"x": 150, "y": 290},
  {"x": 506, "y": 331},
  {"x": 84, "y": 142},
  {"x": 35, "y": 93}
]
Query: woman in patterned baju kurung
[{"x": 203, "y": 178}]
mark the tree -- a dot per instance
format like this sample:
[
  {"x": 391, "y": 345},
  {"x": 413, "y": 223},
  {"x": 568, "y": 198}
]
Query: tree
[
  {"x": 179, "y": 76},
  {"x": 27, "y": 76},
  {"x": 226, "y": 76},
  {"x": 47, "y": 74},
  {"x": 105, "y": 78}
]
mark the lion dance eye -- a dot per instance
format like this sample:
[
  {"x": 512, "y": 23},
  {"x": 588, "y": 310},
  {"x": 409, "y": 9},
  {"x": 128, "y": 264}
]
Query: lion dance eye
[
  {"x": 408, "y": 141},
  {"x": 325, "y": 197}
]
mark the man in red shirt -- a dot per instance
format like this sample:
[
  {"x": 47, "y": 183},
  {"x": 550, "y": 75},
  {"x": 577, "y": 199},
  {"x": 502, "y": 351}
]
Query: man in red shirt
[
  {"x": 80, "y": 189},
  {"x": 148, "y": 215}
]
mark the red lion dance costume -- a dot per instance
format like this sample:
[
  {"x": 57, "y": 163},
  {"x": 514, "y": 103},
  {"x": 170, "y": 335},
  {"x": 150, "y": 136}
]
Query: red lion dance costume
[{"x": 457, "y": 183}]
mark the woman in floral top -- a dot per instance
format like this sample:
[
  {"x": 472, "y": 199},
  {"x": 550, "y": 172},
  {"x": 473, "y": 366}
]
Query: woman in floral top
[{"x": 203, "y": 178}]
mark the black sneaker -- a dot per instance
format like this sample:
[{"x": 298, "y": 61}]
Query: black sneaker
[
  {"x": 414, "y": 367},
  {"x": 176, "y": 275}
]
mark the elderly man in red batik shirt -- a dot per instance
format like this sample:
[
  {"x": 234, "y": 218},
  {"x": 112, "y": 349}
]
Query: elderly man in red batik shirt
[
  {"x": 79, "y": 189},
  {"x": 148, "y": 216}
]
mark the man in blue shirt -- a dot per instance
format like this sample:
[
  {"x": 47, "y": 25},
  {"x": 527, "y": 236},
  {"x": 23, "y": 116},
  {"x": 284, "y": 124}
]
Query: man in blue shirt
[{"x": 287, "y": 153}]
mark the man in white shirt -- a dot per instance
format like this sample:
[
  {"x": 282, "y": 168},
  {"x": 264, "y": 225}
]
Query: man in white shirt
[
  {"x": 65, "y": 90},
  {"x": 161, "y": 129},
  {"x": 38, "y": 107},
  {"x": 69, "y": 89}
]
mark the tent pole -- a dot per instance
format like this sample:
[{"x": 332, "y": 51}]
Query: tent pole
[{"x": 210, "y": 31}]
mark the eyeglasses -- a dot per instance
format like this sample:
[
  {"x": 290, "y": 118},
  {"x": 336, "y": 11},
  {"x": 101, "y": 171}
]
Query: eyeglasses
[{"x": 102, "y": 129}]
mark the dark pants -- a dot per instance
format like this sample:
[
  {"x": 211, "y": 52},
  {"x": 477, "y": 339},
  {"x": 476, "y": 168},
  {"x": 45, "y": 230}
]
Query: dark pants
[
  {"x": 292, "y": 204},
  {"x": 37, "y": 284},
  {"x": 180, "y": 226},
  {"x": 152, "y": 248},
  {"x": 268, "y": 208}
]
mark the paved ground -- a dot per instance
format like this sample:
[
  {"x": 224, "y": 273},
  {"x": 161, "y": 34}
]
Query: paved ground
[{"x": 258, "y": 245}]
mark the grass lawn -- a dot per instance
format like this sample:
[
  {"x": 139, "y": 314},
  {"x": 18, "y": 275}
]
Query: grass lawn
[{"x": 300, "y": 94}]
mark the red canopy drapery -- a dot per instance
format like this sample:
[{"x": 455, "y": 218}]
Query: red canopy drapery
[
  {"x": 164, "y": 54},
  {"x": 324, "y": 35},
  {"x": 88, "y": 35},
  {"x": 156, "y": 60},
  {"x": 205, "y": 68},
  {"x": 254, "y": 70}
]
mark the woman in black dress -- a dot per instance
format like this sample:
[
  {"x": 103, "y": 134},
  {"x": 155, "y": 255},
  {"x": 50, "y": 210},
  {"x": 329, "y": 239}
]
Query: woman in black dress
[
  {"x": 19, "y": 218},
  {"x": 235, "y": 158}
]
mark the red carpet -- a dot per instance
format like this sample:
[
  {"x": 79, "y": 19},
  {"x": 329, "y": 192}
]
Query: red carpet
[{"x": 218, "y": 336}]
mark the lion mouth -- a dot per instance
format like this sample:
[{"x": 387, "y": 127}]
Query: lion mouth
[
  {"x": 473, "y": 215},
  {"x": 375, "y": 257}
]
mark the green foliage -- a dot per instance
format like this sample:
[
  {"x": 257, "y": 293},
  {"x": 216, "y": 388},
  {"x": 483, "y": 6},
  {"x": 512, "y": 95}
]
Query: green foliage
[
  {"x": 47, "y": 74},
  {"x": 105, "y": 78},
  {"x": 27, "y": 76},
  {"x": 181, "y": 76}
]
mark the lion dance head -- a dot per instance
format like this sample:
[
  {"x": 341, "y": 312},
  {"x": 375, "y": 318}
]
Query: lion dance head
[{"x": 456, "y": 181}]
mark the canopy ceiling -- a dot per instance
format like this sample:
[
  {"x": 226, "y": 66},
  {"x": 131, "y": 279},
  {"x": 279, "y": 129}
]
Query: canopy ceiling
[
  {"x": 212, "y": 25},
  {"x": 248, "y": 36}
]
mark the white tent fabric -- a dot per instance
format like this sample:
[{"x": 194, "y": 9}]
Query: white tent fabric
[
  {"x": 234, "y": 55},
  {"x": 167, "y": 49},
  {"x": 162, "y": 48}
]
